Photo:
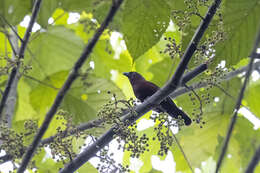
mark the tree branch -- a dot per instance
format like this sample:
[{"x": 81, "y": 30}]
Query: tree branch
[
  {"x": 151, "y": 101},
  {"x": 238, "y": 104},
  {"x": 254, "y": 161},
  {"x": 198, "y": 85},
  {"x": 15, "y": 69},
  {"x": 11, "y": 100},
  {"x": 66, "y": 86}
]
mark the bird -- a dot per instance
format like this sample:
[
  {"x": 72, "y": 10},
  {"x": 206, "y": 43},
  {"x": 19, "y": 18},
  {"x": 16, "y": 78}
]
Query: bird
[{"x": 144, "y": 89}]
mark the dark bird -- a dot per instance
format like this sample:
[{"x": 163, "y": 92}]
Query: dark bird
[{"x": 144, "y": 89}]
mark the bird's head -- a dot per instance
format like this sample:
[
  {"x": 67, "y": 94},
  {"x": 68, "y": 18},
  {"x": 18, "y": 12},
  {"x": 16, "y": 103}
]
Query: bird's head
[{"x": 133, "y": 76}]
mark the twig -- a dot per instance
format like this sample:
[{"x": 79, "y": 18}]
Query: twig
[
  {"x": 238, "y": 104},
  {"x": 190, "y": 75},
  {"x": 151, "y": 101},
  {"x": 15, "y": 69},
  {"x": 196, "y": 95},
  {"x": 12, "y": 96},
  {"x": 40, "y": 82},
  {"x": 254, "y": 161},
  {"x": 66, "y": 133},
  {"x": 182, "y": 151},
  {"x": 5, "y": 158},
  {"x": 66, "y": 86},
  {"x": 5, "y": 21},
  {"x": 198, "y": 85}
]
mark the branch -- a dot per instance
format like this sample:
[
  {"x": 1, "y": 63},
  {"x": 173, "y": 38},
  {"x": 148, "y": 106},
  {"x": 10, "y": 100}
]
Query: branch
[
  {"x": 198, "y": 85},
  {"x": 66, "y": 86},
  {"x": 82, "y": 127},
  {"x": 11, "y": 100},
  {"x": 15, "y": 69},
  {"x": 238, "y": 104},
  {"x": 254, "y": 161},
  {"x": 151, "y": 101},
  {"x": 5, "y": 158}
]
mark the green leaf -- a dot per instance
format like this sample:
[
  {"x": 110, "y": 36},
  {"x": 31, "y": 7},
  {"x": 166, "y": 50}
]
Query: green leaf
[
  {"x": 248, "y": 140},
  {"x": 87, "y": 167},
  {"x": 241, "y": 22},
  {"x": 216, "y": 116},
  {"x": 60, "y": 17},
  {"x": 46, "y": 10},
  {"x": 14, "y": 11},
  {"x": 252, "y": 98},
  {"x": 144, "y": 22},
  {"x": 76, "y": 5},
  {"x": 84, "y": 103},
  {"x": 81, "y": 102},
  {"x": 100, "y": 11},
  {"x": 24, "y": 109},
  {"x": 160, "y": 76},
  {"x": 200, "y": 143},
  {"x": 55, "y": 50}
]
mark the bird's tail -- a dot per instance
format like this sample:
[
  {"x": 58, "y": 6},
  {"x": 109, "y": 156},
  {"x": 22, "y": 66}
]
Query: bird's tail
[
  {"x": 183, "y": 115},
  {"x": 169, "y": 106}
]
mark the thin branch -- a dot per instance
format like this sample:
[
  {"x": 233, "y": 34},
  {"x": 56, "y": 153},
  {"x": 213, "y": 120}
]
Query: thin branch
[
  {"x": 40, "y": 82},
  {"x": 190, "y": 75},
  {"x": 148, "y": 104},
  {"x": 254, "y": 161},
  {"x": 11, "y": 100},
  {"x": 66, "y": 86},
  {"x": 182, "y": 151},
  {"x": 15, "y": 69},
  {"x": 66, "y": 133},
  {"x": 238, "y": 104},
  {"x": 5, "y": 158},
  {"x": 13, "y": 29},
  {"x": 198, "y": 85}
]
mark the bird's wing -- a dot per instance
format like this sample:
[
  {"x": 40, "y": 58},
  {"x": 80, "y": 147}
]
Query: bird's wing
[{"x": 144, "y": 90}]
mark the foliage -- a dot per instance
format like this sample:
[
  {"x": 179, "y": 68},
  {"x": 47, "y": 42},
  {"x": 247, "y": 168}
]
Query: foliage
[{"x": 150, "y": 37}]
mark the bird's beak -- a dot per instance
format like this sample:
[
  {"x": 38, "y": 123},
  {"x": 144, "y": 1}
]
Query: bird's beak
[{"x": 126, "y": 74}]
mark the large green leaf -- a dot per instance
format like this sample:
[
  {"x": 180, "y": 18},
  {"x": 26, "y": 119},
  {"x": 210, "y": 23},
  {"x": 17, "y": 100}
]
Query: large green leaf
[
  {"x": 87, "y": 167},
  {"x": 248, "y": 140},
  {"x": 76, "y": 5},
  {"x": 241, "y": 22},
  {"x": 24, "y": 109},
  {"x": 55, "y": 50},
  {"x": 46, "y": 10},
  {"x": 144, "y": 22},
  {"x": 14, "y": 10},
  {"x": 201, "y": 143},
  {"x": 252, "y": 98},
  {"x": 81, "y": 102},
  {"x": 105, "y": 61}
]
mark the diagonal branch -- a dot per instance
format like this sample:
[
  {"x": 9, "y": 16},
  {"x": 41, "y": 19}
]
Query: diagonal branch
[
  {"x": 151, "y": 101},
  {"x": 238, "y": 104},
  {"x": 15, "y": 69},
  {"x": 66, "y": 86},
  {"x": 254, "y": 161},
  {"x": 198, "y": 85}
]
